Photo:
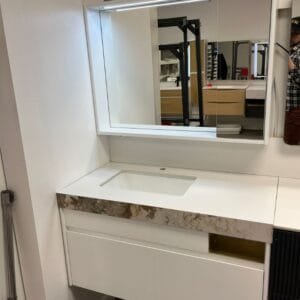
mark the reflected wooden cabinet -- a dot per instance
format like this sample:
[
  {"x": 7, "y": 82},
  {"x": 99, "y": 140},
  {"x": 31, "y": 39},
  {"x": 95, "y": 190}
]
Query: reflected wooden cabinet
[
  {"x": 216, "y": 102},
  {"x": 224, "y": 102},
  {"x": 171, "y": 102}
]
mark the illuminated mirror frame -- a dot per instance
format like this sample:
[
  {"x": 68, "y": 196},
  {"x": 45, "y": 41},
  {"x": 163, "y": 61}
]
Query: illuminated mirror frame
[{"x": 99, "y": 86}]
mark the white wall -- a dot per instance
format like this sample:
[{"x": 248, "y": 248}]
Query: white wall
[
  {"x": 275, "y": 159},
  {"x": 222, "y": 20},
  {"x": 128, "y": 51},
  {"x": 50, "y": 73},
  {"x": 296, "y": 8},
  {"x": 50, "y": 139},
  {"x": 17, "y": 179}
]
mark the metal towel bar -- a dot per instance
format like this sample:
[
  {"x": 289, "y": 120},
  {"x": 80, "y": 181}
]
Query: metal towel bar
[{"x": 7, "y": 199}]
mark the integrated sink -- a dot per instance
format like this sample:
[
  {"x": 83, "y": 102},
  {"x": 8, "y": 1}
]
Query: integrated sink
[
  {"x": 230, "y": 87},
  {"x": 150, "y": 182}
]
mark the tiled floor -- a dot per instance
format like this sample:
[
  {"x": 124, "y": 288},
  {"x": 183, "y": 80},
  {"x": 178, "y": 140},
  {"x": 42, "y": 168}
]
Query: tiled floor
[{"x": 82, "y": 294}]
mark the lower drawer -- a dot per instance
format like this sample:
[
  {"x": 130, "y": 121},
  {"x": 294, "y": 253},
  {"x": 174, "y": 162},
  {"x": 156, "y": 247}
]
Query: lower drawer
[
  {"x": 132, "y": 271},
  {"x": 224, "y": 102},
  {"x": 171, "y": 106},
  {"x": 224, "y": 108}
]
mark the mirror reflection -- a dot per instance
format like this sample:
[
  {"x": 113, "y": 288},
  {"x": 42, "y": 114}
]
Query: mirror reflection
[
  {"x": 237, "y": 60},
  {"x": 196, "y": 65},
  {"x": 292, "y": 114}
]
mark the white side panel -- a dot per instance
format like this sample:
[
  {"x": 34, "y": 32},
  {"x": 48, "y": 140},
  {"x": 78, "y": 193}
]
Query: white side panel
[
  {"x": 133, "y": 272},
  {"x": 127, "y": 42},
  {"x": 287, "y": 214},
  {"x": 97, "y": 69},
  {"x": 270, "y": 80}
]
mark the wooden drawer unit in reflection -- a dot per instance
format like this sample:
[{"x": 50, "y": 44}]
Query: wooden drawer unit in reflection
[{"x": 224, "y": 102}]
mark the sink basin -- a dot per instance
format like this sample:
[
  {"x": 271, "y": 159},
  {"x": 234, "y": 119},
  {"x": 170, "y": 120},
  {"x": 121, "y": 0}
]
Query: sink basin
[
  {"x": 150, "y": 182},
  {"x": 231, "y": 87}
]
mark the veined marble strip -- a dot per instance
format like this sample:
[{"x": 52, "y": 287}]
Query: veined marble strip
[{"x": 161, "y": 216}]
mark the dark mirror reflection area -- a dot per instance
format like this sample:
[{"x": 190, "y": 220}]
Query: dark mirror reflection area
[{"x": 292, "y": 114}]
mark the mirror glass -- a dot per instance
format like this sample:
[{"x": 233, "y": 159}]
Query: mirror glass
[
  {"x": 237, "y": 60},
  {"x": 195, "y": 65}
]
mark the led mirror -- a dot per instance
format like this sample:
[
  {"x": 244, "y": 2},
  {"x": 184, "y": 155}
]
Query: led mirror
[{"x": 194, "y": 65}]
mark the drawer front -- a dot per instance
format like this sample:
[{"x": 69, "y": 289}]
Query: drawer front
[
  {"x": 224, "y": 109},
  {"x": 224, "y": 102},
  {"x": 170, "y": 93},
  {"x": 224, "y": 95},
  {"x": 133, "y": 272},
  {"x": 136, "y": 230},
  {"x": 171, "y": 106}
]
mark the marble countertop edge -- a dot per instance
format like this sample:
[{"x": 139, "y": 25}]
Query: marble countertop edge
[{"x": 170, "y": 217}]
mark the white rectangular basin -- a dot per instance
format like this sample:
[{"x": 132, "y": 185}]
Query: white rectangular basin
[
  {"x": 150, "y": 182},
  {"x": 226, "y": 87},
  {"x": 231, "y": 87},
  {"x": 256, "y": 92}
]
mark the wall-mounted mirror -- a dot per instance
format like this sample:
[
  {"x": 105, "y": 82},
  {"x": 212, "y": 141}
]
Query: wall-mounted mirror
[{"x": 193, "y": 65}]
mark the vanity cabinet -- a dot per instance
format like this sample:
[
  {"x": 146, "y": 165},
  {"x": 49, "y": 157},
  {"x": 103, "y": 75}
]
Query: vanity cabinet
[
  {"x": 171, "y": 102},
  {"x": 137, "y": 260},
  {"x": 224, "y": 102}
]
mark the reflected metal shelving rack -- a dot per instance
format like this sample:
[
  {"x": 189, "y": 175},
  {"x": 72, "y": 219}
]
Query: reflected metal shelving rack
[{"x": 180, "y": 51}]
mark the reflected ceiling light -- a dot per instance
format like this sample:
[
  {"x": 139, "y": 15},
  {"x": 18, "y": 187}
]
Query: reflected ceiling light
[{"x": 121, "y": 6}]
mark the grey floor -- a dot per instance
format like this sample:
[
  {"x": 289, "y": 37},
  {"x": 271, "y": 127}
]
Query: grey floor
[
  {"x": 82, "y": 294},
  {"x": 245, "y": 134}
]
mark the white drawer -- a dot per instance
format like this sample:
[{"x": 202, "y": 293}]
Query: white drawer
[
  {"x": 137, "y": 230},
  {"x": 133, "y": 271}
]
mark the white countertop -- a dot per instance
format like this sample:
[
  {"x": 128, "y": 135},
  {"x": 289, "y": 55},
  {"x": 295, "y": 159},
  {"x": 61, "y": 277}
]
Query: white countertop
[
  {"x": 256, "y": 92},
  {"x": 234, "y": 196},
  {"x": 170, "y": 87},
  {"x": 287, "y": 214},
  {"x": 167, "y": 88},
  {"x": 226, "y": 87}
]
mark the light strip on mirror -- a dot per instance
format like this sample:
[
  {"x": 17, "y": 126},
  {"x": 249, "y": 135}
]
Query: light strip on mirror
[
  {"x": 145, "y": 4},
  {"x": 255, "y": 73}
]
